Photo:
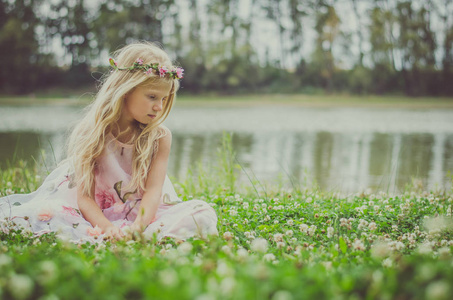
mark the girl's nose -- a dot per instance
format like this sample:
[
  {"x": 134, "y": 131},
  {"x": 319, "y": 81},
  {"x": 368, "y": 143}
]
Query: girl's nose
[{"x": 158, "y": 106}]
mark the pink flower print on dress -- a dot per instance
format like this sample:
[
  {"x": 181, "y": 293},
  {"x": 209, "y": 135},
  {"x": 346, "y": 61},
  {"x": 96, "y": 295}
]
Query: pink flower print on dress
[
  {"x": 71, "y": 211},
  {"x": 162, "y": 71},
  {"x": 118, "y": 208},
  {"x": 96, "y": 231},
  {"x": 105, "y": 199},
  {"x": 45, "y": 215}
]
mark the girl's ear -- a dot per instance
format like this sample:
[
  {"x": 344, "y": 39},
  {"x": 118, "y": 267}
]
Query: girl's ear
[{"x": 126, "y": 95}]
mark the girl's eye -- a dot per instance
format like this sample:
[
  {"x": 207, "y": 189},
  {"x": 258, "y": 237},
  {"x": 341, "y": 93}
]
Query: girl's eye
[{"x": 152, "y": 97}]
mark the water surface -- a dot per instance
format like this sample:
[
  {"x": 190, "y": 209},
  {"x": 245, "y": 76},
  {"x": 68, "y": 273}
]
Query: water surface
[{"x": 342, "y": 149}]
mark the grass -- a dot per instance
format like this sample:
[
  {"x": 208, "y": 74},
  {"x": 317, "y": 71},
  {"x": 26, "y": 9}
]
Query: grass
[{"x": 273, "y": 244}]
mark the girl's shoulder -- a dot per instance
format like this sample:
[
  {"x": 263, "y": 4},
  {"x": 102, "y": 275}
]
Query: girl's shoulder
[{"x": 165, "y": 132}]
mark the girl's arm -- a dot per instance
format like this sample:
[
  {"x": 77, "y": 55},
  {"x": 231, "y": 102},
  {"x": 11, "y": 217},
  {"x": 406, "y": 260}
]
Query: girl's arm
[
  {"x": 154, "y": 183},
  {"x": 93, "y": 214}
]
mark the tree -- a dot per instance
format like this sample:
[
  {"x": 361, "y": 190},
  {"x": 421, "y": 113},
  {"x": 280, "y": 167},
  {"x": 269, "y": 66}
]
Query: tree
[
  {"x": 19, "y": 47},
  {"x": 328, "y": 30}
]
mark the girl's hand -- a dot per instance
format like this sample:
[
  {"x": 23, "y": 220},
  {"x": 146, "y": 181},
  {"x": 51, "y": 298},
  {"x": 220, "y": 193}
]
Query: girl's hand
[
  {"x": 113, "y": 233},
  {"x": 136, "y": 227}
]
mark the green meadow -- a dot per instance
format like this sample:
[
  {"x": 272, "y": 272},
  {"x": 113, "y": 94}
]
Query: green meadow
[{"x": 273, "y": 243}]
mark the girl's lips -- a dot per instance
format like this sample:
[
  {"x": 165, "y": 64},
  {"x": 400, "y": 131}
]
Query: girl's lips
[{"x": 152, "y": 116}]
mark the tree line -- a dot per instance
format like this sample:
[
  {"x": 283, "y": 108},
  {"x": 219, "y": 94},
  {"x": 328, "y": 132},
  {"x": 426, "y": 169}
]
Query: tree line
[{"x": 230, "y": 46}]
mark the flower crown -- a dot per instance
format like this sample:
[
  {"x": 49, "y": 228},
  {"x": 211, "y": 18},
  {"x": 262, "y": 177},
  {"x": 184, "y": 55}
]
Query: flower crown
[{"x": 175, "y": 73}]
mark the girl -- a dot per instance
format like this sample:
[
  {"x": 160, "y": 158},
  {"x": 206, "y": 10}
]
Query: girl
[{"x": 114, "y": 179}]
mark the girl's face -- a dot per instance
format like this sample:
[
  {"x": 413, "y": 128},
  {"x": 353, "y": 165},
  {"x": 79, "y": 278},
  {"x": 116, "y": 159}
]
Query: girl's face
[{"x": 145, "y": 103}]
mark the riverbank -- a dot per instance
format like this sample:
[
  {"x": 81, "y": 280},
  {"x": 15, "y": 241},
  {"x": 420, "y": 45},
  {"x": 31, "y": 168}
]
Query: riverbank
[{"x": 386, "y": 102}]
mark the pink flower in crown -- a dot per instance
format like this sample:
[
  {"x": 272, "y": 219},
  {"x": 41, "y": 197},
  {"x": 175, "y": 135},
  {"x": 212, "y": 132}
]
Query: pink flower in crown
[
  {"x": 139, "y": 61},
  {"x": 113, "y": 62},
  {"x": 96, "y": 231},
  {"x": 149, "y": 71},
  {"x": 162, "y": 71},
  {"x": 179, "y": 72},
  {"x": 45, "y": 215},
  {"x": 105, "y": 199}
]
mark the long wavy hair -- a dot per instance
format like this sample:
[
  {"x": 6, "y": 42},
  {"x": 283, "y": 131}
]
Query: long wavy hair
[{"x": 87, "y": 140}]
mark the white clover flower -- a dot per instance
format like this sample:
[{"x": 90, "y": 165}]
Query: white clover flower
[
  {"x": 227, "y": 285},
  {"x": 449, "y": 211},
  {"x": 387, "y": 263},
  {"x": 20, "y": 286},
  {"x": 185, "y": 248},
  {"x": 245, "y": 205},
  {"x": 228, "y": 235},
  {"x": 276, "y": 222},
  {"x": 226, "y": 249},
  {"x": 249, "y": 235},
  {"x": 444, "y": 252},
  {"x": 280, "y": 245},
  {"x": 399, "y": 246},
  {"x": 438, "y": 290},
  {"x": 362, "y": 224},
  {"x": 290, "y": 222},
  {"x": 242, "y": 253},
  {"x": 223, "y": 269},
  {"x": 380, "y": 250},
  {"x": 168, "y": 277},
  {"x": 289, "y": 233},
  {"x": 282, "y": 295},
  {"x": 311, "y": 230},
  {"x": 327, "y": 265},
  {"x": 303, "y": 228},
  {"x": 48, "y": 272},
  {"x": 259, "y": 245},
  {"x": 278, "y": 237},
  {"x": 394, "y": 227},
  {"x": 358, "y": 245},
  {"x": 267, "y": 218},
  {"x": 330, "y": 231},
  {"x": 372, "y": 226},
  {"x": 5, "y": 260},
  {"x": 437, "y": 224},
  {"x": 269, "y": 257},
  {"x": 233, "y": 212}
]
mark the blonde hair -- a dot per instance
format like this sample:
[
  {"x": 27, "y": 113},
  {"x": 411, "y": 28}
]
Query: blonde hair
[{"x": 87, "y": 140}]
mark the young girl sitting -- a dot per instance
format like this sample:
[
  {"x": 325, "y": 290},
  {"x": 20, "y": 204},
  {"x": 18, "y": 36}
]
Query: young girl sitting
[{"x": 115, "y": 177}]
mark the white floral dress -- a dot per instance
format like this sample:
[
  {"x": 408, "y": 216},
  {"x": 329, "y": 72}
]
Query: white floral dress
[{"x": 53, "y": 206}]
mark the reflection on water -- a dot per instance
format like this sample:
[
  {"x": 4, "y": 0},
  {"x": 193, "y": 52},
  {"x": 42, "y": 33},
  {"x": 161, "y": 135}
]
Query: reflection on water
[
  {"x": 336, "y": 161},
  {"x": 348, "y": 158},
  {"x": 340, "y": 162}
]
